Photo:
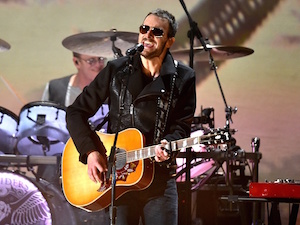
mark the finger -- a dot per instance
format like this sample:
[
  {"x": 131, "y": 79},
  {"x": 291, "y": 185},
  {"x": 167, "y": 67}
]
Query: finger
[
  {"x": 94, "y": 175},
  {"x": 162, "y": 153},
  {"x": 165, "y": 153},
  {"x": 157, "y": 158},
  {"x": 99, "y": 176},
  {"x": 91, "y": 176}
]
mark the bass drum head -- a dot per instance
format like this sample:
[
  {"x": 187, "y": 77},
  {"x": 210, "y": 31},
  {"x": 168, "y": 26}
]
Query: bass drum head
[
  {"x": 27, "y": 202},
  {"x": 8, "y": 129}
]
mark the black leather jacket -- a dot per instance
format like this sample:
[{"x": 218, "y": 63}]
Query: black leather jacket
[{"x": 139, "y": 108}]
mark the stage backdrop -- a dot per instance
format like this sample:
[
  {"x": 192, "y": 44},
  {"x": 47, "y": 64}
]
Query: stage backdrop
[{"x": 264, "y": 86}]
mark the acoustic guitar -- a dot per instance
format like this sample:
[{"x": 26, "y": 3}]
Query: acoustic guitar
[{"x": 134, "y": 167}]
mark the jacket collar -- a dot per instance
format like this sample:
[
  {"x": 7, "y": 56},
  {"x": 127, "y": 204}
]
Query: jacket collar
[{"x": 162, "y": 83}]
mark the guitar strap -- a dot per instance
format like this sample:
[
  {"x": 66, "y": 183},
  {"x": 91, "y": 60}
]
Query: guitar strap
[{"x": 163, "y": 108}]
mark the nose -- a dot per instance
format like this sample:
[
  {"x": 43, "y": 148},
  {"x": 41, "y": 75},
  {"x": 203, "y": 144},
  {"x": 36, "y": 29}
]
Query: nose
[{"x": 149, "y": 33}]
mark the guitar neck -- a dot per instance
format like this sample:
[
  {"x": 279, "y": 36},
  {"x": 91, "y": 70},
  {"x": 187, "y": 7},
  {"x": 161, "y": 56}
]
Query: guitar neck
[{"x": 148, "y": 152}]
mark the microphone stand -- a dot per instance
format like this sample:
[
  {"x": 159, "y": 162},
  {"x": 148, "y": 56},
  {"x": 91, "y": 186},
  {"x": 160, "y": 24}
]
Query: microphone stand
[
  {"x": 195, "y": 31},
  {"x": 112, "y": 156},
  {"x": 192, "y": 33},
  {"x": 188, "y": 195}
]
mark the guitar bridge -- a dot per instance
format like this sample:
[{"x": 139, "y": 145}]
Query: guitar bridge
[{"x": 103, "y": 187}]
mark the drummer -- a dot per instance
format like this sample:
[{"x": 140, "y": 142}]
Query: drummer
[{"x": 64, "y": 90}]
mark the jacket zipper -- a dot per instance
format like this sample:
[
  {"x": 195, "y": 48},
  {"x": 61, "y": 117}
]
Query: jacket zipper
[{"x": 132, "y": 113}]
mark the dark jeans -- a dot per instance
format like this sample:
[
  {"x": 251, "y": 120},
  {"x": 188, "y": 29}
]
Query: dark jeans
[{"x": 156, "y": 205}]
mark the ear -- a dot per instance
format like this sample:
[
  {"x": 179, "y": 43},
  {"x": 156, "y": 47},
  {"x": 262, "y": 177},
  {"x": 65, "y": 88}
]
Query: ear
[
  {"x": 75, "y": 61},
  {"x": 170, "y": 42}
]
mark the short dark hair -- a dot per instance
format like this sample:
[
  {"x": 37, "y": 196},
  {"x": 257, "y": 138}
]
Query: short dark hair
[
  {"x": 173, "y": 25},
  {"x": 75, "y": 54}
]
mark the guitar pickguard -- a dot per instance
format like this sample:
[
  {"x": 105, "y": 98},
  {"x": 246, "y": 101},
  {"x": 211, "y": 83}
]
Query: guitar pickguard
[{"x": 126, "y": 170}]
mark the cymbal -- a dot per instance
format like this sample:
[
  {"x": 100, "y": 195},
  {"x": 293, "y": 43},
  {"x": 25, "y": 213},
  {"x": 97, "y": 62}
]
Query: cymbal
[
  {"x": 100, "y": 43},
  {"x": 219, "y": 52},
  {"x": 4, "y": 46}
]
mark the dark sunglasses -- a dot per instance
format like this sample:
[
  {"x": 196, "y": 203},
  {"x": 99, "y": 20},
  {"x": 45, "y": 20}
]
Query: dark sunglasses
[{"x": 157, "y": 32}]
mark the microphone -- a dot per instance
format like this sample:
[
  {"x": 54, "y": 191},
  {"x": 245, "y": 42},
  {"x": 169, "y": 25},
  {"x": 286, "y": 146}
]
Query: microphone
[{"x": 138, "y": 48}]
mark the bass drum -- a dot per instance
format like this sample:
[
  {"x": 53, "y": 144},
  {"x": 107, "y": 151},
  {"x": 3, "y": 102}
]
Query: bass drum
[
  {"x": 42, "y": 129},
  {"x": 28, "y": 202},
  {"x": 8, "y": 129},
  {"x": 201, "y": 169}
]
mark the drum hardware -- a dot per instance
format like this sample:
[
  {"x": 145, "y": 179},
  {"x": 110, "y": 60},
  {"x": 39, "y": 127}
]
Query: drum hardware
[
  {"x": 228, "y": 156},
  {"x": 228, "y": 109},
  {"x": 201, "y": 171},
  {"x": 227, "y": 170},
  {"x": 209, "y": 113},
  {"x": 207, "y": 116},
  {"x": 29, "y": 162},
  {"x": 19, "y": 160},
  {"x": 8, "y": 129},
  {"x": 4, "y": 46},
  {"x": 205, "y": 158},
  {"x": 117, "y": 52},
  {"x": 108, "y": 44},
  {"x": 41, "y": 132},
  {"x": 43, "y": 140},
  {"x": 41, "y": 129}
]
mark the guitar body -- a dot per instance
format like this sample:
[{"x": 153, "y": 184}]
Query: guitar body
[
  {"x": 134, "y": 168},
  {"x": 83, "y": 193}
]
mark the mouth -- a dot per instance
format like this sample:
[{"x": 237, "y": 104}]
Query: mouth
[{"x": 148, "y": 44}]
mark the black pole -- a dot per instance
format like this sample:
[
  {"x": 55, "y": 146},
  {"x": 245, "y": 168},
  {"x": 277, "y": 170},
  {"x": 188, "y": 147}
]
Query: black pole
[
  {"x": 111, "y": 161},
  {"x": 194, "y": 31}
]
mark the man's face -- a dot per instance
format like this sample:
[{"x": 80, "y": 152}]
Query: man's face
[
  {"x": 90, "y": 66},
  {"x": 154, "y": 44}
]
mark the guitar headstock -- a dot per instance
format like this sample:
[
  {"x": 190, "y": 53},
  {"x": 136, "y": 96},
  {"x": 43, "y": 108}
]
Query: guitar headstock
[{"x": 218, "y": 136}]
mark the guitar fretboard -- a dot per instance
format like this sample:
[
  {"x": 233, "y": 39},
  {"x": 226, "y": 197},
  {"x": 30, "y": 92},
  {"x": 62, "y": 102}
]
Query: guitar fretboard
[{"x": 148, "y": 152}]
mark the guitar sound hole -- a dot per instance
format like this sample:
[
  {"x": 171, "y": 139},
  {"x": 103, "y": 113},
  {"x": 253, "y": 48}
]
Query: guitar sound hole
[
  {"x": 124, "y": 168},
  {"x": 120, "y": 158}
]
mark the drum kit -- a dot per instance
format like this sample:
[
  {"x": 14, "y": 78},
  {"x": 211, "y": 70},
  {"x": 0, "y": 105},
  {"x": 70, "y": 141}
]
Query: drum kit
[{"x": 38, "y": 134}]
